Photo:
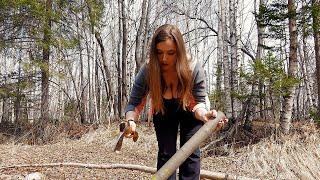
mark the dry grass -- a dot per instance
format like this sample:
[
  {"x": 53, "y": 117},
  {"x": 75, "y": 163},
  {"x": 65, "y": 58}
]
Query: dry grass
[{"x": 297, "y": 158}]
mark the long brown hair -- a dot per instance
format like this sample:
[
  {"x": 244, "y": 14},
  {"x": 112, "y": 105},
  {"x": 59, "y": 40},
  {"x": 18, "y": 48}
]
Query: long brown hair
[{"x": 156, "y": 83}]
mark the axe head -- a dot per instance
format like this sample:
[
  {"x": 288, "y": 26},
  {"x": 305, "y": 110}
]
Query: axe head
[
  {"x": 122, "y": 126},
  {"x": 123, "y": 129}
]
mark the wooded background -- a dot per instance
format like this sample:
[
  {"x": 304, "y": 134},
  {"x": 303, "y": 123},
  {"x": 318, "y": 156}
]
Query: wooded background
[{"x": 65, "y": 60}]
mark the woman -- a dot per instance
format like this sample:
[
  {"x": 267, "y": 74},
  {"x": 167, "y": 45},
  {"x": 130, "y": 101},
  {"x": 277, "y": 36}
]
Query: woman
[{"x": 178, "y": 95}]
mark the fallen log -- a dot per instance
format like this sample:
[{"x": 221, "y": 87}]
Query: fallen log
[{"x": 204, "y": 173}]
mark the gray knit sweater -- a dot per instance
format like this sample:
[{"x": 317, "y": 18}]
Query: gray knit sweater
[{"x": 140, "y": 89}]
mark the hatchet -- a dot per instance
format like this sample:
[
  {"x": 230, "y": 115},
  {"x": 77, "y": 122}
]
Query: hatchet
[{"x": 124, "y": 127}]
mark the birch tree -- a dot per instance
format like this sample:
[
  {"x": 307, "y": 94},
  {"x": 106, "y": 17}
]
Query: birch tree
[
  {"x": 124, "y": 56},
  {"x": 259, "y": 55},
  {"x": 316, "y": 36},
  {"x": 119, "y": 60},
  {"x": 138, "y": 50},
  {"x": 286, "y": 113},
  {"x": 226, "y": 64},
  {"x": 234, "y": 55},
  {"x": 122, "y": 63},
  {"x": 146, "y": 31},
  {"x": 305, "y": 59},
  {"x": 81, "y": 99},
  {"x": 45, "y": 66},
  {"x": 96, "y": 10},
  {"x": 219, "y": 54}
]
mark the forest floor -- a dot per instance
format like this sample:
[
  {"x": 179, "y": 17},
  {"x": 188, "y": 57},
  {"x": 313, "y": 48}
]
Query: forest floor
[{"x": 298, "y": 157}]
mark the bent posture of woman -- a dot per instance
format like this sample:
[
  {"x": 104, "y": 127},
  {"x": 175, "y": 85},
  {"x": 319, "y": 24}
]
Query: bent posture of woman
[{"x": 178, "y": 95}]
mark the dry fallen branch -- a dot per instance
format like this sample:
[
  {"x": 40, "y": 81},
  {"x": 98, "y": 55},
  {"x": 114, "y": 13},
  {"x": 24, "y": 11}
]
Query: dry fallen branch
[
  {"x": 90, "y": 166},
  {"x": 204, "y": 173}
]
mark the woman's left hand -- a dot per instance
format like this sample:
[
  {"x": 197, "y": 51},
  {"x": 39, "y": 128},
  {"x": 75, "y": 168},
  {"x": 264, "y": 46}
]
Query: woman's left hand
[
  {"x": 209, "y": 115},
  {"x": 212, "y": 114}
]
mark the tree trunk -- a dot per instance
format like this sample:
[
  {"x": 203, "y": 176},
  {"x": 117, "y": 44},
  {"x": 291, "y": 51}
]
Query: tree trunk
[
  {"x": 5, "y": 104},
  {"x": 304, "y": 73},
  {"x": 219, "y": 58},
  {"x": 146, "y": 28},
  {"x": 106, "y": 72},
  {"x": 305, "y": 69},
  {"x": 286, "y": 113},
  {"x": 61, "y": 96},
  {"x": 305, "y": 61},
  {"x": 81, "y": 101},
  {"x": 17, "y": 101},
  {"x": 303, "y": 82},
  {"x": 316, "y": 36},
  {"x": 119, "y": 63},
  {"x": 115, "y": 47},
  {"x": 90, "y": 87},
  {"x": 138, "y": 53},
  {"x": 226, "y": 64},
  {"x": 97, "y": 88},
  {"x": 296, "y": 104},
  {"x": 88, "y": 95},
  {"x": 260, "y": 53},
  {"x": 234, "y": 55},
  {"x": 74, "y": 85},
  {"x": 124, "y": 57},
  {"x": 45, "y": 64},
  {"x": 5, "y": 109}
]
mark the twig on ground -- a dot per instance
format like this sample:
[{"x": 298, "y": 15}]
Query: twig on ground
[{"x": 204, "y": 173}]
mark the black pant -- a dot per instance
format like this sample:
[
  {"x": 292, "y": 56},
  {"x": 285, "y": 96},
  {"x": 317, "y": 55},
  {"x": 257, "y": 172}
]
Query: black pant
[{"x": 166, "y": 127}]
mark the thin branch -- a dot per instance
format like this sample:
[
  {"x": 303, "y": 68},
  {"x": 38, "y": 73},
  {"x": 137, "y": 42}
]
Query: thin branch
[
  {"x": 243, "y": 49},
  {"x": 197, "y": 18},
  {"x": 201, "y": 28},
  {"x": 151, "y": 170}
]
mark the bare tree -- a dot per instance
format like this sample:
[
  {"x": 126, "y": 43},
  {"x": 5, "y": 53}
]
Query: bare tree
[
  {"x": 316, "y": 31},
  {"x": 234, "y": 54},
  {"x": 45, "y": 65},
  {"x": 124, "y": 56},
  {"x": 89, "y": 93},
  {"x": 146, "y": 30},
  {"x": 226, "y": 64},
  {"x": 17, "y": 101},
  {"x": 105, "y": 70},
  {"x": 222, "y": 72},
  {"x": 81, "y": 100},
  {"x": 97, "y": 89},
  {"x": 304, "y": 57},
  {"x": 119, "y": 67},
  {"x": 261, "y": 31},
  {"x": 219, "y": 54},
  {"x": 286, "y": 113},
  {"x": 138, "y": 49}
]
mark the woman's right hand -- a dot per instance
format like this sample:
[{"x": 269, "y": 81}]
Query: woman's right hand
[{"x": 130, "y": 129}]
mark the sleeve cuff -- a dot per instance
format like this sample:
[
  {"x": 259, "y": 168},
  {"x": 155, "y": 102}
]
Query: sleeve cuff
[
  {"x": 200, "y": 105},
  {"x": 129, "y": 108}
]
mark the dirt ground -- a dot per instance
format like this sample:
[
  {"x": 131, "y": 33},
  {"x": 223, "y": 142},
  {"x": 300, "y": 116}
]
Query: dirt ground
[{"x": 296, "y": 158}]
